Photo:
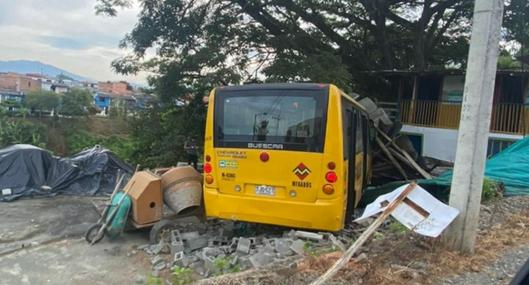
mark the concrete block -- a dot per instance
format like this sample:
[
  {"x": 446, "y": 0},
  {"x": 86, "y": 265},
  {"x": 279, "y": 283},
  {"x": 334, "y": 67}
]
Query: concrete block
[
  {"x": 189, "y": 235},
  {"x": 234, "y": 260},
  {"x": 336, "y": 242},
  {"x": 243, "y": 245},
  {"x": 178, "y": 257},
  {"x": 282, "y": 246},
  {"x": 194, "y": 244},
  {"x": 156, "y": 259},
  {"x": 308, "y": 235},
  {"x": 298, "y": 246},
  {"x": 261, "y": 259},
  {"x": 160, "y": 266},
  {"x": 177, "y": 244},
  {"x": 244, "y": 262},
  {"x": 209, "y": 264}
]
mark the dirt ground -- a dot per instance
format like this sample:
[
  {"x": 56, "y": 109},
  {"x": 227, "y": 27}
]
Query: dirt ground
[{"x": 41, "y": 242}]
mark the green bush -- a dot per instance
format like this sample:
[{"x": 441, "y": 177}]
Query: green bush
[
  {"x": 19, "y": 131},
  {"x": 181, "y": 275},
  {"x": 77, "y": 140},
  {"x": 490, "y": 190}
]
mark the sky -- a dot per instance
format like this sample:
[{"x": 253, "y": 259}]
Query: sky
[{"x": 66, "y": 34}]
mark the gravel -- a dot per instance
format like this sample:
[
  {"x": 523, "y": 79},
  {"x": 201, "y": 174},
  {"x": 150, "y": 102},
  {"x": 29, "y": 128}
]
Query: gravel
[{"x": 500, "y": 272}]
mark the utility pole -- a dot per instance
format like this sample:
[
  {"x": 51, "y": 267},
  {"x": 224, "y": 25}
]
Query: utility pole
[{"x": 467, "y": 182}]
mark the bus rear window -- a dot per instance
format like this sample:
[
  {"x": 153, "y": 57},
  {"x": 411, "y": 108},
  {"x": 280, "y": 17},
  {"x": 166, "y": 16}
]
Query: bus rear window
[{"x": 271, "y": 119}]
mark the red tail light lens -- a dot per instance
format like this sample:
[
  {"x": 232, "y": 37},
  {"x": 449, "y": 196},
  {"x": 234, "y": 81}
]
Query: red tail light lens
[
  {"x": 331, "y": 177},
  {"x": 331, "y": 165},
  {"x": 208, "y": 168},
  {"x": 264, "y": 157},
  {"x": 208, "y": 158}
]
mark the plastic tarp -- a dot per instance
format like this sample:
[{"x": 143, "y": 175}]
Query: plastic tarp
[
  {"x": 509, "y": 167},
  {"x": 29, "y": 171}
]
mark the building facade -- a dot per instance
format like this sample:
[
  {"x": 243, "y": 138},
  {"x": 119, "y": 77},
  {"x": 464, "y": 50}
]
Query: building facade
[{"x": 428, "y": 105}]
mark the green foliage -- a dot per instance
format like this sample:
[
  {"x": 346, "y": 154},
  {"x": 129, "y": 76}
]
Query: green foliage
[
  {"x": 42, "y": 101},
  {"x": 222, "y": 266},
  {"x": 151, "y": 280},
  {"x": 76, "y": 102},
  {"x": 489, "y": 190},
  {"x": 18, "y": 131},
  {"x": 397, "y": 228},
  {"x": 181, "y": 275},
  {"x": 159, "y": 133},
  {"x": 77, "y": 140}
]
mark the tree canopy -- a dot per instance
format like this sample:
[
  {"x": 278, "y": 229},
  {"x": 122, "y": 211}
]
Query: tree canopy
[
  {"x": 76, "y": 102},
  {"x": 191, "y": 46}
]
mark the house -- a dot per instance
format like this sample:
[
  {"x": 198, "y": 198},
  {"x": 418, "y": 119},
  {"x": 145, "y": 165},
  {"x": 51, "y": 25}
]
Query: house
[
  {"x": 60, "y": 88},
  {"x": 18, "y": 82},
  {"x": 118, "y": 88},
  {"x": 102, "y": 102},
  {"x": 11, "y": 99},
  {"x": 428, "y": 105},
  {"x": 105, "y": 101}
]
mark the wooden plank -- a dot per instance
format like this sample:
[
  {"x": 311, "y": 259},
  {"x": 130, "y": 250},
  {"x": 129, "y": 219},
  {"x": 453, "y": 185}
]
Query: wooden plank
[
  {"x": 340, "y": 263},
  {"x": 391, "y": 158},
  {"x": 419, "y": 169}
]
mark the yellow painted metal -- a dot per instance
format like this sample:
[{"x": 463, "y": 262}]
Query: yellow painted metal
[
  {"x": 509, "y": 118},
  {"x": 297, "y": 202}
]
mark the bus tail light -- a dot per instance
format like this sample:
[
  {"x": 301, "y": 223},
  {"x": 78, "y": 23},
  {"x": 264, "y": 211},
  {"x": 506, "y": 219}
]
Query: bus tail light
[
  {"x": 264, "y": 156},
  {"x": 331, "y": 177},
  {"x": 209, "y": 179},
  {"x": 328, "y": 189},
  {"x": 208, "y": 158},
  {"x": 208, "y": 168},
  {"x": 331, "y": 165}
]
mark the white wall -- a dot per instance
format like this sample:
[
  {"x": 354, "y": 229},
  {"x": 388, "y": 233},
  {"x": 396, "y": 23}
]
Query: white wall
[{"x": 442, "y": 143}]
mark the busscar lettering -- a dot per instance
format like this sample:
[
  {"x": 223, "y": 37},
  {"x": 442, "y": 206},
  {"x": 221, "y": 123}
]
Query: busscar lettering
[
  {"x": 302, "y": 184},
  {"x": 265, "y": 145}
]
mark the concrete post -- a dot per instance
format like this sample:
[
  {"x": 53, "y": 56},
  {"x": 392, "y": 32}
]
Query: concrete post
[{"x": 467, "y": 181}]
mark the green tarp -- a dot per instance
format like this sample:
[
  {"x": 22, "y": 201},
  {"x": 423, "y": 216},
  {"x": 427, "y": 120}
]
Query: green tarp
[{"x": 510, "y": 167}]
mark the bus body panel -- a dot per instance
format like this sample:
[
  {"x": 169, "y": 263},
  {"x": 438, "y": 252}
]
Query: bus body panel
[{"x": 297, "y": 177}]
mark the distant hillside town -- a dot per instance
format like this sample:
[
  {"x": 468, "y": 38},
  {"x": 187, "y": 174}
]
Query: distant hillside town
[{"x": 14, "y": 88}]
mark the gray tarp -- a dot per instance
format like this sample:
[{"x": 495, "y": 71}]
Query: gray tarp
[{"x": 29, "y": 171}]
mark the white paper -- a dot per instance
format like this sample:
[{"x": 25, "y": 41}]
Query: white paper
[{"x": 439, "y": 214}]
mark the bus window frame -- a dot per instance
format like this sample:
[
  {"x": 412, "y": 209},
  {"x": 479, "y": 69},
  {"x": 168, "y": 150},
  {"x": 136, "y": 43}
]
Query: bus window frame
[{"x": 304, "y": 147}]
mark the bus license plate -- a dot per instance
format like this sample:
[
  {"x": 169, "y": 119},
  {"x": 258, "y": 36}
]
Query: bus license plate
[{"x": 265, "y": 190}]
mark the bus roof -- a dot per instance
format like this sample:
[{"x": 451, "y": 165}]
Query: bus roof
[
  {"x": 298, "y": 86},
  {"x": 290, "y": 86}
]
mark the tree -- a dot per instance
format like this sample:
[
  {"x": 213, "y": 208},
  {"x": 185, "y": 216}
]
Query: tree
[
  {"x": 333, "y": 41},
  {"x": 42, "y": 101},
  {"x": 76, "y": 102}
]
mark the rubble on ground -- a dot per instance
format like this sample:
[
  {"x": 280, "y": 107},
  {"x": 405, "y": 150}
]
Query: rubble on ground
[{"x": 219, "y": 249}]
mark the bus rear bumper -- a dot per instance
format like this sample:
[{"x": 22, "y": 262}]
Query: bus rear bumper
[{"x": 321, "y": 215}]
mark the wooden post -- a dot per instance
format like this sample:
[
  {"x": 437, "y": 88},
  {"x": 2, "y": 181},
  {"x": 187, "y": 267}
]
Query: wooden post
[
  {"x": 411, "y": 114},
  {"x": 364, "y": 237}
]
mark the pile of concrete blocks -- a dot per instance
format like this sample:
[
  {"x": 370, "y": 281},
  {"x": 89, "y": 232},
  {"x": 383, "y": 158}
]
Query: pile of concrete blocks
[{"x": 218, "y": 251}]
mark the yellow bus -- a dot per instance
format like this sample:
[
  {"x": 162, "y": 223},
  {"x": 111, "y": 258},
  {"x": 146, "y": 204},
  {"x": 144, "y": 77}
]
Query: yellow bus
[{"x": 293, "y": 155}]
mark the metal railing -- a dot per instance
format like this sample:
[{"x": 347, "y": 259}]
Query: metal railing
[{"x": 507, "y": 118}]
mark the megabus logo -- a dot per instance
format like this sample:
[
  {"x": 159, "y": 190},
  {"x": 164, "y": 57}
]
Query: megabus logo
[{"x": 301, "y": 171}]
